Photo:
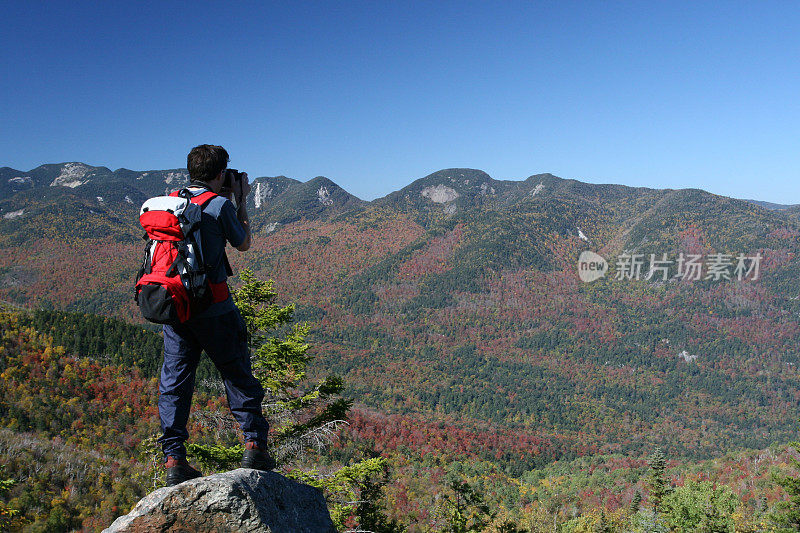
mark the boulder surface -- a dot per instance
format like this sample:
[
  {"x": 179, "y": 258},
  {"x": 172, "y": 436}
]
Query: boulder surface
[{"x": 241, "y": 500}]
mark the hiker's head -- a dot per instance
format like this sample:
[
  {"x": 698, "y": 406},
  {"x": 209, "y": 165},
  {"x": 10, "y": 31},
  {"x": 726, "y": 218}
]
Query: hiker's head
[{"x": 205, "y": 162}]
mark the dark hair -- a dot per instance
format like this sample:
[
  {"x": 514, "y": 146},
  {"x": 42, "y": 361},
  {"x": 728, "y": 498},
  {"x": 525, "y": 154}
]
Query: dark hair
[{"x": 205, "y": 162}]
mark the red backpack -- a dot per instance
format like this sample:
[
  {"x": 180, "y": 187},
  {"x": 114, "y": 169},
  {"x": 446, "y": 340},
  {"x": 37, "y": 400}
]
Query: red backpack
[{"x": 172, "y": 285}]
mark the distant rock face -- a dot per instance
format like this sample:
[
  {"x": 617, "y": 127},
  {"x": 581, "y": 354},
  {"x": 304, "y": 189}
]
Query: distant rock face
[
  {"x": 262, "y": 193},
  {"x": 324, "y": 196},
  {"x": 536, "y": 190},
  {"x": 71, "y": 176},
  {"x": 240, "y": 501},
  {"x": 440, "y": 194},
  {"x": 176, "y": 176}
]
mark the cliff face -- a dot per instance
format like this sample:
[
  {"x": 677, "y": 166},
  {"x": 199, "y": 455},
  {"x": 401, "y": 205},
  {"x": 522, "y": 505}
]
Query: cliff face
[{"x": 239, "y": 501}]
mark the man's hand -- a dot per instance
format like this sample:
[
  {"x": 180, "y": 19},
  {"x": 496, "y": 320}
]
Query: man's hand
[{"x": 242, "y": 189}]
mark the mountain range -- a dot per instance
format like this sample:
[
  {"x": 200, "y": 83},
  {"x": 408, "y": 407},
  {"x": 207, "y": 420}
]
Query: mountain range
[
  {"x": 282, "y": 200},
  {"x": 458, "y": 296}
]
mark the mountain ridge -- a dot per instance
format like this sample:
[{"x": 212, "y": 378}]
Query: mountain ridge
[{"x": 563, "y": 185}]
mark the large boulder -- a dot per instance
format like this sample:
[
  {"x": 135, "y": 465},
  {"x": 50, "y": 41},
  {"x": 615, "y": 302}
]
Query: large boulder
[{"x": 239, "y": 501}]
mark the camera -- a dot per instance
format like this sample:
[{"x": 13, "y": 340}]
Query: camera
[{"x": 232, "y": 176}]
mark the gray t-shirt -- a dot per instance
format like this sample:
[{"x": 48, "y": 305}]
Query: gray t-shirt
[{"x": 218, "y": 226}]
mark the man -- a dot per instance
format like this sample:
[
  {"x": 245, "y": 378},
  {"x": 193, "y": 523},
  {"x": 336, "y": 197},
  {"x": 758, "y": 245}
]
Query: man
[{"x": 219, "y": 330}]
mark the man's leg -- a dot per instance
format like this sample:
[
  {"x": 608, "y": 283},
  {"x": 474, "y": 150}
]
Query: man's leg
[
  {"x": 181, "y": 355},
  {"x": 225, "y": 342}
]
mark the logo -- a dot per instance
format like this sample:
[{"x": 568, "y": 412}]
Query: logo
[{"x": 591, "y": 266}]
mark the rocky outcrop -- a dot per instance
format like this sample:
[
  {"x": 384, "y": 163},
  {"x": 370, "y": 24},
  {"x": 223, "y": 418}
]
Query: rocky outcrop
[{"x": 239, "y": 501}]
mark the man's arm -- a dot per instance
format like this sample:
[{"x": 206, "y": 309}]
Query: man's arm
[
  {"x": 241, "y": 214},
  {"x": 241, "y": 210}
]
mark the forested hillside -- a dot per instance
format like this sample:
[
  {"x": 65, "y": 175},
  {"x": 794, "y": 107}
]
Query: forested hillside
[
  {"x": 458, "y": 296},
  {"x": 78, "y": 423},
  {"x": 454, "y": 307}
]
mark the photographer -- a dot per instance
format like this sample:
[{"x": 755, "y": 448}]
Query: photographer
[{"x": 219, "y": 330}]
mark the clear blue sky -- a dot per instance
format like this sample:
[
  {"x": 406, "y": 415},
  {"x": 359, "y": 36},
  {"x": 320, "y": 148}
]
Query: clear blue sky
[{"x": 376, "y": 94}]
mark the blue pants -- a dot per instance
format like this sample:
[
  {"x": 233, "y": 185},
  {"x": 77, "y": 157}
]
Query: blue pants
[{"x": 224, "y": 338}]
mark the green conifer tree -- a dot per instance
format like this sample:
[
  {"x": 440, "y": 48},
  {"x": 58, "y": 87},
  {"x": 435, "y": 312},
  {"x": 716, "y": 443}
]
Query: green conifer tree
[
  {"x": 636, "y": 501},
  {"x": 369, "y": 511},
  {"x": 657, "y": 479},
  {"x": 466, "y": 510}
]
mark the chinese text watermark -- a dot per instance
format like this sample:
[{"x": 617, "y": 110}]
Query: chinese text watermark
[{"x": 689, "y": 267}]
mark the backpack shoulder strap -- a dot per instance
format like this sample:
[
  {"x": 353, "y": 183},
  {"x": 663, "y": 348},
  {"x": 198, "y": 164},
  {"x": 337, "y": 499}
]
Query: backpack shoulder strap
[{"x": 203, "y": 198}]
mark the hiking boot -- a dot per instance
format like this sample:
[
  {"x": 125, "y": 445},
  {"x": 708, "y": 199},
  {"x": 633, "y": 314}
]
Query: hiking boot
[
  {"x": 179, "y": 470},
  {"x": 256, "y": 458}
]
